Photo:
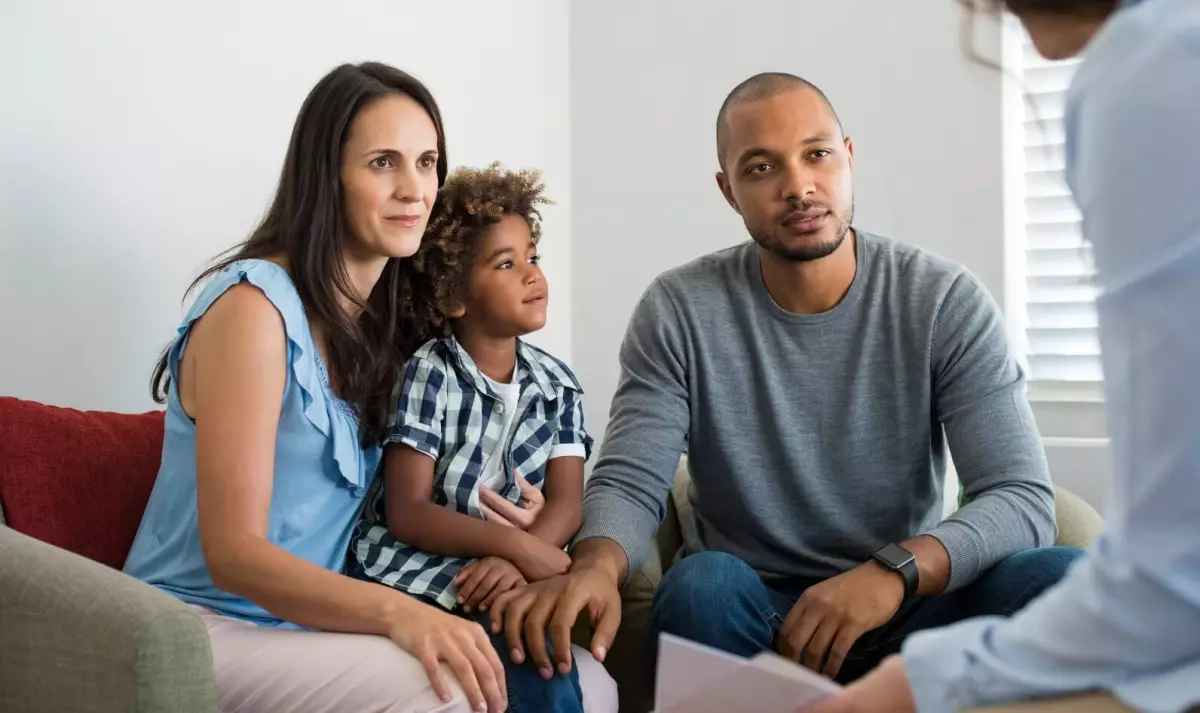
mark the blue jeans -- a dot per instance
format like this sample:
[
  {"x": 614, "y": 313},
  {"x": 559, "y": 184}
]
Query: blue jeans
[
  {"x": 715, "y": 599},
  {"x": 528, "y": 692}
]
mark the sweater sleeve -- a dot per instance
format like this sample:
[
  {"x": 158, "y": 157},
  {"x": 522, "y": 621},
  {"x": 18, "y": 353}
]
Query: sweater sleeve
[
  {"x": 979, "y": 397},
  {"x": 626, "y": 495}
]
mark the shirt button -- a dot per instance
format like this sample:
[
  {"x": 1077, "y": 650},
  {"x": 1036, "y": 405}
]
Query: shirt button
[{"x": 500, "y": 408}]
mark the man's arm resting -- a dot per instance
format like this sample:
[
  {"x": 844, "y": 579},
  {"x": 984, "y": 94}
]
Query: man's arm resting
[
  {"x": 601, "y": 555},
  {"x": 626, "y": 497},
  {"x": 980, "y": 399}
]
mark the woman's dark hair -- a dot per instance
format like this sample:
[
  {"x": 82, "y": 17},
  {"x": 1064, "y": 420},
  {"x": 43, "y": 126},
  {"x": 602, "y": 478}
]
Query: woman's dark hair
[
  {"x": 473, "y": 200},
  {"x": 306, "y": 226},
  {"x": 1082, "y": 8}
]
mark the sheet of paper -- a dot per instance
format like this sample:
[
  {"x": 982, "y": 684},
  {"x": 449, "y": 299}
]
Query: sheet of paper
[
  {"x": 702, "y": 680},
  {"x": 683, "y": 666},
  {"x": 778, "y": 665}
]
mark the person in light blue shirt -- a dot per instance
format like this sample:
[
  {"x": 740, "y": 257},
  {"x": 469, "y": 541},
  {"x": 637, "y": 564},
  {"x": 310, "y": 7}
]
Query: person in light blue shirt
[{"x": 1125, "y": 620}]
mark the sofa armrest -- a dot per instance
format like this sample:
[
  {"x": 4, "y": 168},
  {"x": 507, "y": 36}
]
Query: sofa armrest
[
  {"x": 1078, "y": 522},
  {"x": 77, "y": 635}
]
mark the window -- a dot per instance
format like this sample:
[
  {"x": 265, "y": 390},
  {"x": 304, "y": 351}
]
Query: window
[{"x": 1054, "y": 302}]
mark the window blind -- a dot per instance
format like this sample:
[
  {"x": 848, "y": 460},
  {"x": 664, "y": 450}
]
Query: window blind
[{"x": 1060, "y": 292}]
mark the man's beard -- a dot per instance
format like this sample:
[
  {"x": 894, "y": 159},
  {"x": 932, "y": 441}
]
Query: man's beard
[{"x": 808, "y": 251}]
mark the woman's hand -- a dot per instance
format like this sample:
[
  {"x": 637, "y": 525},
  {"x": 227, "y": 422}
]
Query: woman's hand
[
  {"x": 884, "y": 690},
  {"x": 434, "y": 636},
  {"x": 498, "y": 509},
  {"x": 481, "y": 581}
]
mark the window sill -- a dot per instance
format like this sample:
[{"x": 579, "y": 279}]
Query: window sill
[
  {"x": 1069, "y": 410},
  {"x": 1077, "y": 392}
]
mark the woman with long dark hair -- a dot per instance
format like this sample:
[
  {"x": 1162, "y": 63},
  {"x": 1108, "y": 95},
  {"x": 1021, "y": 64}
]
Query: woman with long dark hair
[
  {"x": 1125, "y": 621},
  {"x": 279, "y": 387}
]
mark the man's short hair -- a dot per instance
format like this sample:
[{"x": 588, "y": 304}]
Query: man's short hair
[{"x": 763, "y": 86}]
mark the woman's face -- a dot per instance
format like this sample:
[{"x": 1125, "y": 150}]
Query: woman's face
[{"x": 389, "y": 176}]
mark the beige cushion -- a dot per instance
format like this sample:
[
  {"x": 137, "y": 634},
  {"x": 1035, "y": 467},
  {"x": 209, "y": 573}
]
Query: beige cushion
[{"x": 1078, "y": 523}]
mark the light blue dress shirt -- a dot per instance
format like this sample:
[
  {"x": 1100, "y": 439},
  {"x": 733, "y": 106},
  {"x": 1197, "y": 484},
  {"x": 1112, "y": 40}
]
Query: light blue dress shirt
[{"x": 1126, "y": 618}]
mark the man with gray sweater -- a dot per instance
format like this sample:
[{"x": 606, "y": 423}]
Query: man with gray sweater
[{"x": 815, "y": 376}]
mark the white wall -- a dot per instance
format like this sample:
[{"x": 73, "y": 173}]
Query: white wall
[
  {"x": 647, "y": 79},
  {"x": 139, "y": 138}
]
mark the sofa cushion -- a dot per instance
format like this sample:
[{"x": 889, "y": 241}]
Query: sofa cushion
[
  {"x": 689, "y": 538},
  {"x": 77, "y": 479}
]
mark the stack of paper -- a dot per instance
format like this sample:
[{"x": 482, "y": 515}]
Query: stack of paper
[{"x": 697, "y": 679}]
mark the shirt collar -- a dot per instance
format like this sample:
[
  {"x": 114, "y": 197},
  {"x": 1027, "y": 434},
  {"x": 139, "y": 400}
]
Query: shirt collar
[{"x": 529, "y": 369}]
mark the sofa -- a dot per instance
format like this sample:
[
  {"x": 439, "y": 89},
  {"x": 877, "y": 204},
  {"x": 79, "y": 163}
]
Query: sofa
[{"x": 76, "y": 634}]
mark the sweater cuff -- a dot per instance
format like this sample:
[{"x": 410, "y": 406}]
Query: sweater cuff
[
  {"x": 610, "y": 517},
  {"x": 961, "y": 544}
]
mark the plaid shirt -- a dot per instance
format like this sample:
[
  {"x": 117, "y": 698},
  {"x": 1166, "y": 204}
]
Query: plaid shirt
[{"x": 448, "y": 411}]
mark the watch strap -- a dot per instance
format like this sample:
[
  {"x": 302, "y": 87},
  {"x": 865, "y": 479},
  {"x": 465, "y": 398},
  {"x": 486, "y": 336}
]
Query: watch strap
[{"x": 912, "y": 577}]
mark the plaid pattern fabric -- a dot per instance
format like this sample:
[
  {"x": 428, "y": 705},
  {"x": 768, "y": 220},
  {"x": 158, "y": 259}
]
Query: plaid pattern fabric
[{"x": 448, "y": 411}]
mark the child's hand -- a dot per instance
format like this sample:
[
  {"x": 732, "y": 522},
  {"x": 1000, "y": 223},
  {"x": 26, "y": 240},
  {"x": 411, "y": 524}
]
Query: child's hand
[
  {"x": 538, "y": 559},
  {"x": 481, "y": 581},
  {"x": 498, "y": 509}
]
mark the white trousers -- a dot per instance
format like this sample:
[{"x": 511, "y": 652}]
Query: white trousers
[{"x": 264, "y": 670}]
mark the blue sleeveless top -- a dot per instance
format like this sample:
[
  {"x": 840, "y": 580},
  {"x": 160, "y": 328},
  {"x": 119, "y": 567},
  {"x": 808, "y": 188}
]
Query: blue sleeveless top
[{"x": 321, "y": 471}]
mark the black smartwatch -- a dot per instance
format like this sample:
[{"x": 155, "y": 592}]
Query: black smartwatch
[{"x": 903, "y": 563}]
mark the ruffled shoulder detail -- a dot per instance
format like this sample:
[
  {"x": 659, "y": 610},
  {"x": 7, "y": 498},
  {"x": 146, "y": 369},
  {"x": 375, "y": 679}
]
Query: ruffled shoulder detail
[{"x": 327, "y": 413}]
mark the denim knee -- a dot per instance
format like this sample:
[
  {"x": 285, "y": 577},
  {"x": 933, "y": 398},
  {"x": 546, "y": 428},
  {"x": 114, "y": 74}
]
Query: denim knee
[
  {"x": 716, "y": 599},
  {"x": 1025, "y": 575},
  {"x": 1045, "y": 565}
]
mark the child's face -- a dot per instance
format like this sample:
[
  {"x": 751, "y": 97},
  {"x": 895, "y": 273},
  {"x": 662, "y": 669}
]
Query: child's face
[{"x": 506, "y": 290}]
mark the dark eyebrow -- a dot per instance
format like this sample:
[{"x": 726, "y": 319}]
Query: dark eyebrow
[
  {"x": 753, "y": 151},
  {"x": 497, "y": 253},
  {"x": 394, "y": 153},
  {"x": 381, "y": 152}
]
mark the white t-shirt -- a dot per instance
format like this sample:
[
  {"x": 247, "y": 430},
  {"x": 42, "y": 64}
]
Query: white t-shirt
[{"x": 510, "y": 394}]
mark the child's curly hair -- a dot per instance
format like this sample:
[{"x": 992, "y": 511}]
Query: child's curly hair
[{"x": 434, "y": 279}]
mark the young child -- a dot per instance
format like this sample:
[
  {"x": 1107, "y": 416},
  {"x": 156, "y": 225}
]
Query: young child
[{"x": 479, "y": 408}]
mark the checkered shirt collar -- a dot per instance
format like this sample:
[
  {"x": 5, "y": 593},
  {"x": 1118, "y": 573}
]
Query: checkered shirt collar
[{"x": 530, "y": 369}]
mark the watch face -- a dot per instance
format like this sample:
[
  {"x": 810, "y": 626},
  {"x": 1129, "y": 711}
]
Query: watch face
[{"x": 894, "y": 555}]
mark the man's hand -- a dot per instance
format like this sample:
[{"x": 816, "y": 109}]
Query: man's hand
[
  {"x": 829, "y": 617},
  {"x": 884, "y": 690},
  {"x": 497, "y": 508},
  {"x": 527, "y": 612},
  {"x": 481, "y": 581}
]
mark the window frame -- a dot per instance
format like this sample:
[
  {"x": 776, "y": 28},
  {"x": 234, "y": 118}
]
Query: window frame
[{"x": 1063, "y": 409}]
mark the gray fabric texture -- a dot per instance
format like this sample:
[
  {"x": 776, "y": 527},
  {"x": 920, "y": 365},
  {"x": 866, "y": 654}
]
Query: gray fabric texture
[
  {"x": 76, "y": 635},
  {"x": 814, "y": 439}
]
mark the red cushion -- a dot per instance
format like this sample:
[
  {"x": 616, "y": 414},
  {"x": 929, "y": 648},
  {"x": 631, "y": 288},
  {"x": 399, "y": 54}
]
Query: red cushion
[{"x": 77, "y": 479}]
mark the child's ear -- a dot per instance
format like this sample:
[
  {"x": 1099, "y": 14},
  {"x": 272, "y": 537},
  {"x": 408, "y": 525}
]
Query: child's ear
[{"x": 455, "y": 311}]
